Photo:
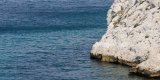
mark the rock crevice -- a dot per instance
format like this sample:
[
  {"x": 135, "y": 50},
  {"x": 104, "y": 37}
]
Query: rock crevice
[{"x": 133, "y": 36}]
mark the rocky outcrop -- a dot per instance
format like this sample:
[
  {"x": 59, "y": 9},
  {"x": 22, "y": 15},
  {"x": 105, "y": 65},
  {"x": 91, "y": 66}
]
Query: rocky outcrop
[{"x": 133, "y": 36}]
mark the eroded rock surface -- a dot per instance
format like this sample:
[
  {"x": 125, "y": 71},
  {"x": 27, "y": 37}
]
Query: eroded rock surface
[{"x": 133, "y": 36}]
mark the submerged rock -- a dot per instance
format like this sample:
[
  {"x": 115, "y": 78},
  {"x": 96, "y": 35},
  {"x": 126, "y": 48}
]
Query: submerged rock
[{"x": 133, "y": 36}]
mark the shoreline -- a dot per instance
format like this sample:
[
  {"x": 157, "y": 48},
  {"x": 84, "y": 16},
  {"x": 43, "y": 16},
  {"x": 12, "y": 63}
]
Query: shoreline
[{"x": 133, "y": 70}]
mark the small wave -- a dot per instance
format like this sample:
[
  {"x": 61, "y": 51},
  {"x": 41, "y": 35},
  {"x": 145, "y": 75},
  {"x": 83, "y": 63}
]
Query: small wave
[{"x": 16, "y": 29}]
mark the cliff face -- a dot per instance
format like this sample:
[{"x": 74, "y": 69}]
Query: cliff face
[{"x": 133, "y": 36}]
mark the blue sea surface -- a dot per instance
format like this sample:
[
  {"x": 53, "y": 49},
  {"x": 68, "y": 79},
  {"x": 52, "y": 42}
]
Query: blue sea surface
[{"x": 52, "y": 39}]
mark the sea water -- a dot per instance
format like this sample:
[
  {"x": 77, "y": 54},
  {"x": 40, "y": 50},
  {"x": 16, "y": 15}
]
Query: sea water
[{"x": 52, "y": 39}]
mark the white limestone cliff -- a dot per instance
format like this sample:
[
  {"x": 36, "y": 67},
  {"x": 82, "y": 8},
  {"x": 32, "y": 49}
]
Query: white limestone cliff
[{"x": 133, "y": 36}]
